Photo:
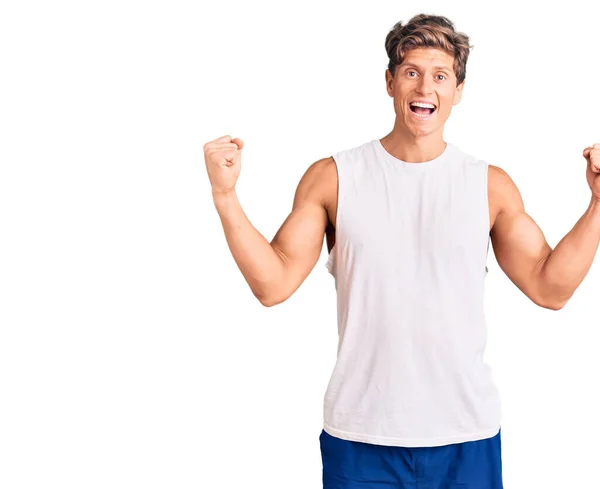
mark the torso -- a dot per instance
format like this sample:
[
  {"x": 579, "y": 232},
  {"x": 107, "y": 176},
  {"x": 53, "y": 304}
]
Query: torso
[{"x": 329, "y": 176}]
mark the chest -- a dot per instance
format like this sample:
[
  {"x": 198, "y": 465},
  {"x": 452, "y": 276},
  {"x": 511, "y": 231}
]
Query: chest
[{"x": 445, "y": 219}]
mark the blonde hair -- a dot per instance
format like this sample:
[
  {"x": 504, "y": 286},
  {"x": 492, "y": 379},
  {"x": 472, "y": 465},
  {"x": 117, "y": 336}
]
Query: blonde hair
[{"x": 428, "y": 31}]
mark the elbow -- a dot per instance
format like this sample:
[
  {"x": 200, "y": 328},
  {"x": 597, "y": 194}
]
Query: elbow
[
  {"x": 271, "y": 293},
  {"x": 263, "y": 294},
  {"x": 268, "y": 300},
  {"x": 264, "y": 299},
  {"x": 551, "y": 296},
  {"x": 555, "y": 305},
  {"x": 559, "y": 305},
  {"x": 271, "y": 300}
]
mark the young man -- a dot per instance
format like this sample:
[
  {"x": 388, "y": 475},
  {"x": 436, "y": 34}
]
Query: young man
[{"x": 408, "y": 220}]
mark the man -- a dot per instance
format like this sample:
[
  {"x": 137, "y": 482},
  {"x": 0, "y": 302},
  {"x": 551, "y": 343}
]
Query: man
[{"x": 408, "y": 219}]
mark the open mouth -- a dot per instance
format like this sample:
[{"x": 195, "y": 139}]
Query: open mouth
[{"x": 422, "y": 111}]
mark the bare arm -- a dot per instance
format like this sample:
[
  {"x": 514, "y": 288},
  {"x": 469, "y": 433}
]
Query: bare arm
[
  {"x": 275, "y": 270},
  {"x": 548, "y": 277},
  {"x": 519, "y": 244},
  {"x": 571, "y": 260}
]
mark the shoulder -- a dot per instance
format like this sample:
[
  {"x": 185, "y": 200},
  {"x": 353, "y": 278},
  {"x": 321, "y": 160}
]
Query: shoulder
[
  {"x": 317, "y": 181},
  {"x": 318, "y": 172},
  {"x": 503, "y": 190}
]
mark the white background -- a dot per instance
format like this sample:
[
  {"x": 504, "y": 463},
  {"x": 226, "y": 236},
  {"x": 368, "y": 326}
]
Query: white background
[{"x": 133, "y": 353}]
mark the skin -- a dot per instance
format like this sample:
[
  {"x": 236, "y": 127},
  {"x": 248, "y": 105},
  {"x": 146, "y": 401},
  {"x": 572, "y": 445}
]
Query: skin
[{"x": 274, "y": 270}]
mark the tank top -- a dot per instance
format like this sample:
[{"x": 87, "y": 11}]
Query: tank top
[{"x": 409, "y": 264}]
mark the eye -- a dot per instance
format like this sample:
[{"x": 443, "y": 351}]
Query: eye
[
  {"x": 411, "y": 72},
  {"x": 444, "y": 76}
]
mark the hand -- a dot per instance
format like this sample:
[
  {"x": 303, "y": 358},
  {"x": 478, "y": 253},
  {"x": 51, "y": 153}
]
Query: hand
[
  {"x": 223, "y": 163},
  {"x": 592, "y": 155}
]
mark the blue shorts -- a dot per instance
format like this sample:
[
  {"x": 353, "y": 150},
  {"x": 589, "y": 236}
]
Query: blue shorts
[{"x": 357, "y": 465}]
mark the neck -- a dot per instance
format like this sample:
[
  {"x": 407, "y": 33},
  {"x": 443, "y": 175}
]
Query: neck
[{"x": 407, "y": 147}]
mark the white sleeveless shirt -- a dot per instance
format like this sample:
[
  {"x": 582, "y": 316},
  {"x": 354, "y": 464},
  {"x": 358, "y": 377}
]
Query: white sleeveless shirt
[{"x": 409, "y": 264}]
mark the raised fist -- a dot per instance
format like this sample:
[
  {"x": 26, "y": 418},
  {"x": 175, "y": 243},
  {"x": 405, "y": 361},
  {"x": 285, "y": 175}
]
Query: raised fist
[
  {"x": 223, "y": 163},
  {"x": 592, "y": 156}
]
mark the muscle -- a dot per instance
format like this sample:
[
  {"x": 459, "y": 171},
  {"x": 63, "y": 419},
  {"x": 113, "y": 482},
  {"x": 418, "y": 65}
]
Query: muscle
[{"x": 519, "y": 244}]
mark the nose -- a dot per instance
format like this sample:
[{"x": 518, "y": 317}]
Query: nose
[{"x": 425, "y": 85}]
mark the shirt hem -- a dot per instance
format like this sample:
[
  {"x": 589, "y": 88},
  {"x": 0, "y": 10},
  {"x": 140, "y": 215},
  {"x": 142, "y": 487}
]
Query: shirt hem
[{"x": 410, "y": 442}]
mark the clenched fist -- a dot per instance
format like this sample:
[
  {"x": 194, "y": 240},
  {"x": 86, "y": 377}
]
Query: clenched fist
[
  {"x": 223, "y": 163},
  {"x": 592, "y": 156}
]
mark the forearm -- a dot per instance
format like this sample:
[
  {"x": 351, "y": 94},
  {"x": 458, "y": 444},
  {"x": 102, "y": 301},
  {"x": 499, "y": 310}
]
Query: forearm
[
  {"x": 568, "y": 264},
  {"x": 253, "y": 254}
]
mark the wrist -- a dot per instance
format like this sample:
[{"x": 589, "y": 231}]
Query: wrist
[
  {"x": 594, "y": 207},
  {"x": 224, "y": 197},
  {"x": 222, "y": 193}
]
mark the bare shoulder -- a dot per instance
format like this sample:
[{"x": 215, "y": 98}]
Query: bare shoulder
[
  {"x": 320, "y": 180},
  {"x": 503, "y": 193},
  {"x": 504, "y": 187},
  {"x": 320, "y": 170}
]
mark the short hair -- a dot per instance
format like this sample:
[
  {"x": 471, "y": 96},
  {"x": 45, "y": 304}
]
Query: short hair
[{"x": 428, "y": 31}]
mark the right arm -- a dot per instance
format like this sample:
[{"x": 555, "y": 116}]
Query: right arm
[{"x": 275, "y": 270}]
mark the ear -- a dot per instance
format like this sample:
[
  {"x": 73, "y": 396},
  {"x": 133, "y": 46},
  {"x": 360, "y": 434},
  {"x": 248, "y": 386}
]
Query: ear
[
  {"x": 458, "y": 93},
  {"x": 389, "y": 82}
]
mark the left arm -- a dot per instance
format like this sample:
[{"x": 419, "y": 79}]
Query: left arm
[
  {"x": 569, "y": 263},
  {"x": 548, "y": 277}
]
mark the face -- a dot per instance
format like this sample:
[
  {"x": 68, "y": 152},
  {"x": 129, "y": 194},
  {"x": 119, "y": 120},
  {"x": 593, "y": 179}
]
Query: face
[{"x": 425, "y": 74}]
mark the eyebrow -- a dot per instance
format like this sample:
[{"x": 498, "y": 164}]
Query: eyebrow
[{"x": 419, "y": 68}]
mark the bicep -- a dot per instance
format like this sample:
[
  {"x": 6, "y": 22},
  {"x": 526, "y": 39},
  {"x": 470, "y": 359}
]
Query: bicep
[
  {"x": 519, "y": 244},
  {"x": 299, "y": 240}
]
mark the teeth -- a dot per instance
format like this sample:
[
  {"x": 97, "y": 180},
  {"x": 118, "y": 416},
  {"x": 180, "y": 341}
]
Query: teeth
[{"x": 420, "y": 104}]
